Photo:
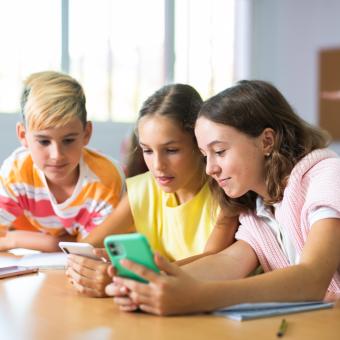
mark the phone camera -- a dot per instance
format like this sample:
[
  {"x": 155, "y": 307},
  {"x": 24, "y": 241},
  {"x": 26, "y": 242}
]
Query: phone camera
[{"x": 114, "y": 250}]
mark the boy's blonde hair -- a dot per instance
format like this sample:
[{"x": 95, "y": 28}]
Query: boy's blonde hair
[{"x": 51, "y": 99}]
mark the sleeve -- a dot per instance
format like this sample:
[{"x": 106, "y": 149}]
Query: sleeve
[
  {"x": 323, "y": 188},
  {"x": 100, "y": 197},
  {"x": 10, "y": 208},
  {"x": 321, "y": 213}
]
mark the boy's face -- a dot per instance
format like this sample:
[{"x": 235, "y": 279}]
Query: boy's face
[{"x": 57, "y": 151}]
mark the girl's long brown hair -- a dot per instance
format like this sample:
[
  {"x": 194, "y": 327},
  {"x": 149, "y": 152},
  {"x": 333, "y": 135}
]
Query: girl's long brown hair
[{"x": 250, "y": 107}]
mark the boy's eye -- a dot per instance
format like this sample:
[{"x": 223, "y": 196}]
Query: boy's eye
[
  {"x": 69, "y": 140},
  {"x": 44, "y": 142}
]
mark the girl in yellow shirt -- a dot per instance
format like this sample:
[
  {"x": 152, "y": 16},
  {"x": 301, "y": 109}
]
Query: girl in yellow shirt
[{"x": 171, "y": 203}]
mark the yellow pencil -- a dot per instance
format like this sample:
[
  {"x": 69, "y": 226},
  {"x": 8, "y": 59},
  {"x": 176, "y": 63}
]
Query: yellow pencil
[{"x": 282, "y": 328}]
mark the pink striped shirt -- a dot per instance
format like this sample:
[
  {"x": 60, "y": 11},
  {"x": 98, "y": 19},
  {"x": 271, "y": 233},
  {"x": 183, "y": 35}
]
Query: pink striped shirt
[{"x": 314, "y": 182}]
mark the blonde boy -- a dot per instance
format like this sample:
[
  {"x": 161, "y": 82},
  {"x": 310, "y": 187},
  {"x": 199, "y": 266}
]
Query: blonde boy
[{"x": 53, "y": 183}]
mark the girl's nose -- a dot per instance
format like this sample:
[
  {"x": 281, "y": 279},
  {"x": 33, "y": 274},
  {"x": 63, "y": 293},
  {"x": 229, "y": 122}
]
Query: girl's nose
[
  {"x": 211, "y": 168},
  {"x": 158, "y": 162}
]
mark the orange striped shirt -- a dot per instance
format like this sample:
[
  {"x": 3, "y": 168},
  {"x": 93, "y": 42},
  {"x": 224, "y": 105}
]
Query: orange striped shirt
[{"x": 27, "y": 203}]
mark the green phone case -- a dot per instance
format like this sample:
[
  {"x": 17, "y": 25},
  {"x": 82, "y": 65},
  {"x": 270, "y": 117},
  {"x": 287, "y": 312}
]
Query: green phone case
[{"x": 134, "y": 247}]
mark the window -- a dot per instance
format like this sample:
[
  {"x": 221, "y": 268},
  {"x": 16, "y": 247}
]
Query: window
[
  {"x": 204, "y": 44},
  {"x": 30, "y": 42},
  {"x": 120, "y": 51},
  {"x": 116, "y": 51}
]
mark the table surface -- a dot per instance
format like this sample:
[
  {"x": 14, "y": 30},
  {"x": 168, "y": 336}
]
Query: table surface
[{"x": 45, "y": 306}]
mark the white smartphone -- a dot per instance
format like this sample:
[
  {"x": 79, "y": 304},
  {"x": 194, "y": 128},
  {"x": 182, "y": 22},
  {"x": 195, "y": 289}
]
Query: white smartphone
[
  {"x": 16, "y": 270},
  {"x": 79, "y": 248}
]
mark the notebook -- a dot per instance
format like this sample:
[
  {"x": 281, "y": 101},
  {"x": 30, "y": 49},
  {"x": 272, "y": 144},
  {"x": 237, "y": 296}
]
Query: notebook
[
  {"x": 248, "y": 311},
  {"x": 40, "y": 260}
]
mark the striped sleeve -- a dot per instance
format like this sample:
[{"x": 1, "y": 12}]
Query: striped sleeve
[{"x": 10, "y": 208}]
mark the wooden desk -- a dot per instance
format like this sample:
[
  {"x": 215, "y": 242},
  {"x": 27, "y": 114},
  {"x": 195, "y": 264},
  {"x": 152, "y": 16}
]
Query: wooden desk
[{"x": 44, "y": 306}]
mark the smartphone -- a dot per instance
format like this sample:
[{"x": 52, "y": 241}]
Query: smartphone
[
  {"x": 16, "y": 270},
  {"x": 79, "y": 248},
  {"x": 134, "y": 247}
]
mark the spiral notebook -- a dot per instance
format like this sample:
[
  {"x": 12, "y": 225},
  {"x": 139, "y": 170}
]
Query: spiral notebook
[{"x": 248, "y": 311}]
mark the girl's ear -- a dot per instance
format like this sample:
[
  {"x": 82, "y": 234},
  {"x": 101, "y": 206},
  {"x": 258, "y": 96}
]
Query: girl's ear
[
  {"x": 21, "y": 133},
  {"x": 88, "y": 133},
  {"x": 268, "y": 140}
]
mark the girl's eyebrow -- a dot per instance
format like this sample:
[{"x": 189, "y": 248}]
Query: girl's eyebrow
[
  {"x": 214, "y": 142},
  {"x": 167, "y": 143}
]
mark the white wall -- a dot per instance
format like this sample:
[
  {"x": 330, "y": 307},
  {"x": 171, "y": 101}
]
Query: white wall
[
  {"x": 107, "y": 137},
  {"x": 287, "y": 36}
]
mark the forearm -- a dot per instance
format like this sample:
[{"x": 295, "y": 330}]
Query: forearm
[
  {"x": 308, "y": 280},
  {"x": 190, "y": 259},
  {"x": 295, "y": 283},
  {"x": 37, "y": 240},
  {"x": 120, "y": 221},
  {"x": 235, "y": 262},
  {"x": 205, "y": 268},
  {"x": 97, "y": 235}
]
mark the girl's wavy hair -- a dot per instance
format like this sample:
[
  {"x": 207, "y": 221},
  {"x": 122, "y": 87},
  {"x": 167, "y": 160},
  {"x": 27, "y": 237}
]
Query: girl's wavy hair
[
  {"x": 178, "y": 102},
  {"x": 250, "y": 107}
]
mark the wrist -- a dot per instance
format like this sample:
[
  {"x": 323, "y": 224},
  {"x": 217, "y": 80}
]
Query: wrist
[
  {"x": 214, "y": 295},
  {"x": 13, "y": 240}
]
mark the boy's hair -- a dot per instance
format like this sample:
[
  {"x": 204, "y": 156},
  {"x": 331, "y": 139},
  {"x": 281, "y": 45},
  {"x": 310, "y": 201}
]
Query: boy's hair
[
  {"x": 52, "y": 99},
  {"x": 250, "y": 107}
]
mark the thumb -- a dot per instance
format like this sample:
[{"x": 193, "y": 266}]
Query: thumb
[
  {"x": 164, "y": 265},
  {"x": 111, "y": 271}
]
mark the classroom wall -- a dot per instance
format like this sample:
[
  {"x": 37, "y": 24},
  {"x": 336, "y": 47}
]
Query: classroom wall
[
  {"x": 286, "y": 38},
  {"x": 107, "y": 137}
]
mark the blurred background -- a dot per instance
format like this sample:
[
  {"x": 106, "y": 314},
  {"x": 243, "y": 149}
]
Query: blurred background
[{"x": 121, "y": 51}]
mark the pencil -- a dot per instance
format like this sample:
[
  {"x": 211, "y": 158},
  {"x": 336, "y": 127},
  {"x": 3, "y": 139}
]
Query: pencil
[{"x": 282, "y": 328}]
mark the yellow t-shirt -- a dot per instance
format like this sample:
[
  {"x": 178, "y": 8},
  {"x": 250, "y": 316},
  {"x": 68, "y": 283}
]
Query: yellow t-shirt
[{"x": 175, "y": 231}]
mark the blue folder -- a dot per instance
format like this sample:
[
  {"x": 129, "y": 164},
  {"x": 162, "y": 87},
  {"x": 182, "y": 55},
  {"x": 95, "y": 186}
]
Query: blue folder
[{"x": 248, "y": 311}]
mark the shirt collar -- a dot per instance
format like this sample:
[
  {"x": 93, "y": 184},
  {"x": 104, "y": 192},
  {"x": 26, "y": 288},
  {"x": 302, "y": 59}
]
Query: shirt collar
[{"x": 261, "y": 209}]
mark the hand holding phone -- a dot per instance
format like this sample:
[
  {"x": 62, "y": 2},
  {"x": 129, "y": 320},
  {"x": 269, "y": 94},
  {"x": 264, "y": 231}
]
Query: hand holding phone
[
  {"x": 79, "y": 248},
  {"x": 134, "y": 247}
]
